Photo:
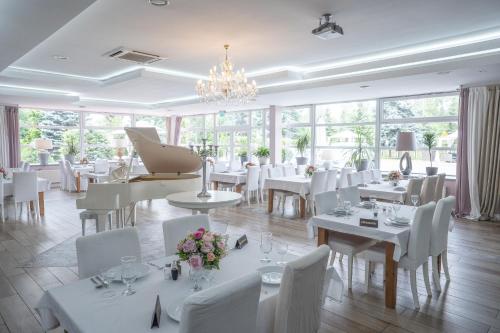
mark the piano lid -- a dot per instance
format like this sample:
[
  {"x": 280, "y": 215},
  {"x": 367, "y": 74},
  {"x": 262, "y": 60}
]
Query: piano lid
[{"x": 161, "y": 158}]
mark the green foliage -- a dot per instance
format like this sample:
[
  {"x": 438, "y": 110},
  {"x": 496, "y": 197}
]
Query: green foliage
[
  {"x": 71, "y": 142},
  {"x": 363, "y": 139},
  {"x": 286, "y": 155},
  {"x": 243, "y": 153},
  {"x": 429, "y": 139},
  {"x": 302, "y": 142},
  {"x": 262, "y": 152}
]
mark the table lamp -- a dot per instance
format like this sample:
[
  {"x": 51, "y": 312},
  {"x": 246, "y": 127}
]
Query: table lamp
[
  {"x": 406, "y": 142},
  {"x": 43, "y": 146}
]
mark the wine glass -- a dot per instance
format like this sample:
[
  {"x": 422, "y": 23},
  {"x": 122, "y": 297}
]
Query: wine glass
[
  {"x": 196, "y": 271},
  {"x": 282, "y": 250},
  {"x": 396, "y": 206},
  {"x": 129, "y": 273},
  {"x": 373, "y": 201},
  {"x": 266, "y": 246},
  {"x": 415, "y": 198},
  {"x": 108, "y": 276}
]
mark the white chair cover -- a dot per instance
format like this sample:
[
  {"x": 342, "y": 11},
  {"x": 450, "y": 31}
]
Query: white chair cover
[
  {"x": 351, "y": 194},
  {"x": 366, "y": 177},
  {"x": 439, "y": 187},
  {"x": 220, "y": 166},
  {"x": 343, "y": 177},
  {"x": 175, "y": 230},
  {"x": 25, "y": 186},
  {"x": 101, "y": 166},
  {"x": 331, "y": 181},
  {"x": 230, "y": 307},
  {"x": 414, "y": 188},
  {"x": 354, "y": 179},
  {"x": 440, "y": 225},
  {"x": 62, "y": 175},
  {"x": 289, "y": 170},
  {"x": 264, "y": 174},
  {"x": 325, "y": 202},
  {"x": 301, "y": 169},
  {"x": 420, "y": 237},
  {"x": 318, "y": 185},
  {"x": 376, "y": 175},
  {"x": 235, "y": 165},
  {"x": 428, "y": 189},
  {"x": 103, "y": 250},
  {"x": 298, "y": 307},
  {"x": 276, "y": 172}
]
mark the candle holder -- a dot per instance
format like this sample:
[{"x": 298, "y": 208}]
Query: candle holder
[{"x": 204, "y": 151}]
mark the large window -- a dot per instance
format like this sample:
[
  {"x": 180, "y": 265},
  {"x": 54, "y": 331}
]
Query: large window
[
  {"x": 436, "y": 114},
  {"x": 296, "y": 125},
  {"x": 160, "y": 123},
  {"x": 104, "y": 135}
]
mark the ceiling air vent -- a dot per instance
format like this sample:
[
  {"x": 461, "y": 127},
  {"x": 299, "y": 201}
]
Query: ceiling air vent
[{"x": 134, "y": 56}]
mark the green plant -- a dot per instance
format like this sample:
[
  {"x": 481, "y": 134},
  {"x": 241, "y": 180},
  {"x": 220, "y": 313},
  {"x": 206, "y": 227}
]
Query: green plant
[
  {"x": 302, "y": 142},
  {"x": 362, "y": 139},
  {"x": 70, "y": 144},
  {"x": 262, "y": 152},
  {"x": 243, "y": 153},
  {"x": 429, "y": 140}
]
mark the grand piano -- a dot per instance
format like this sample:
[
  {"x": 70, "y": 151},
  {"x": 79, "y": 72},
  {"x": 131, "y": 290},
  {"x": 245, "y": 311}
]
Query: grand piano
[{"x": 171, "y": 170}]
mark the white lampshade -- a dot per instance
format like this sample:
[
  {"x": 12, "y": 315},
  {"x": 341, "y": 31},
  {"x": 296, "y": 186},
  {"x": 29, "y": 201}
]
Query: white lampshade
[
  {"x": 406, "y": 141},
  {"x": 42, "y": 144}
]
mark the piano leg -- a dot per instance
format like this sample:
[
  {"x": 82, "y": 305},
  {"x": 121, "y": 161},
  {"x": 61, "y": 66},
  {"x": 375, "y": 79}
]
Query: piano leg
[{"x": 133, "y": 214}]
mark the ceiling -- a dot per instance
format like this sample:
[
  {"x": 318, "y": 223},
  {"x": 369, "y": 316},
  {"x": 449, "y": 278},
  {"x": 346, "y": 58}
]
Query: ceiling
[{"x": 397, "y": 47}]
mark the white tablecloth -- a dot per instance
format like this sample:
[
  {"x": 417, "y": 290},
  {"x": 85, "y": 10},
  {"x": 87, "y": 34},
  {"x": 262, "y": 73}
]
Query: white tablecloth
[
  {"x": 80, "y": 307},
  {"x": 8, "y": 186},
  {"x": 296, "y": 184},
  {"x": 385, "y": 191},
  {"x": 233, "y": 177}
]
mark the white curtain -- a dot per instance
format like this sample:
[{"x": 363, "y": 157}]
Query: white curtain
[
  {"x": 4, "y": 139},
  {"x": 478, "y": 105}
]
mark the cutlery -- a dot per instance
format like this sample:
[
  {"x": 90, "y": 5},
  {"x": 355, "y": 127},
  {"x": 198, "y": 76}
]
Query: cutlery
[
  {"x": 97, "y": 284},
  {"x": 102, "y": 281}
]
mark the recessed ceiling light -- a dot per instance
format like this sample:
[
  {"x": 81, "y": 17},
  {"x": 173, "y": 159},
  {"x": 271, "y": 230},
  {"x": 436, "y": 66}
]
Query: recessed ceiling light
[
  {"x": 159, "y": 3},
  {"x": 60, "y": 57},
  {"x": 443, "y": 73},
  {"x": 364, "y": 86}
]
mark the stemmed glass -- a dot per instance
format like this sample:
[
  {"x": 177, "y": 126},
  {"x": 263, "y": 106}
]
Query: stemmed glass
[
  {"x": 196, "y": 270},
  {"x": 266, "y": 246},
  {"x": 396, "y": 206},
  {"x": 129, "y": 273},
  {"x": 373, "y": 201},
  {"x": 415, "y": 198},
  {"x": 282, "y": 250}
]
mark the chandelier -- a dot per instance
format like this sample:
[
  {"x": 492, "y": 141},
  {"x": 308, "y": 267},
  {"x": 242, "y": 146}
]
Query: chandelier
[{"x": 226, "y": 86}]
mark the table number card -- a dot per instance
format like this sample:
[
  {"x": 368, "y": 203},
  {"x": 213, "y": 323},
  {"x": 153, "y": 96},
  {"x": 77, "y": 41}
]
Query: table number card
[
  {"x": 155, "y": 322},
  {"x": 364, "y": 222},
  {"x": 242, "y": 241}
]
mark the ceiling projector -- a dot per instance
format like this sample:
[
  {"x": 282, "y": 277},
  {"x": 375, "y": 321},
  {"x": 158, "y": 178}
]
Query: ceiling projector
[{"x": 327, "y": 29}]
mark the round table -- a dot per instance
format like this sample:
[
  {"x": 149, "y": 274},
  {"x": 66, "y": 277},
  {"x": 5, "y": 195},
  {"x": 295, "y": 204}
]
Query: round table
[{"x": 191, "y": 201}]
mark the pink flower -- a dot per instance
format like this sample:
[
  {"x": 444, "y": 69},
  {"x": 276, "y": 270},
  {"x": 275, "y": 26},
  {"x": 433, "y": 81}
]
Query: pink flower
[
  {"x": 208, "y": 237},
  {"x": 195, "y": 261},
  {"x": 221, "y": 245},
  {"x": 198, "y": 234},
  {"x": 202, "y": 230},
  {"x": 179, "y": 246},
  {"x": 189, "y": 246},
  {"x": 210, "y": 256},
  {"x": 207, "y": 247}
]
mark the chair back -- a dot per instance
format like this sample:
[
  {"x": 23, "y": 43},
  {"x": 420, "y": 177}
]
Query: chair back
[
  {"x": 420, "y": 235},
  {"x": 276, "y": 172},
  {"x": 301, "y": 169},
  {"x": 101, "y": 166},
  {"x": 220, "y": 166},
  {"x": 253, "y": 174},
  {"x": 366, "y": 177},
  {"x": 376, "y": 175},
  {"x": 351, "y": 194},
  {"x": 428, "y": 189},
  {"x": 331, "y": 180},
  {"x": 62, "y": 175},
  {"x": 229, "y": 307},
  {"x": 26, "y": 167},
  {"x": 21, "y": 165},
  {"x": 354, "y": 179},
  {"x": 298, "y": 306},
  {"x": 440, "y": 225},
  {"x": 264, "y": 174},
  {"x": 25, "y": 186},
  {"x": 325, "y": 202},
  {"x": 318, "y": 183},
  {"x": 103, "y": 250},
  {"x": 69, "y": 169},
  {"x": 343, "y": 182},
  {"x": 414, "y": 188},
  {"x": 235, "y": 165},
  {"x": 439, "y": 187},
  {"x": 175, "y": 230},
  {"x": 289, "y": 170}
]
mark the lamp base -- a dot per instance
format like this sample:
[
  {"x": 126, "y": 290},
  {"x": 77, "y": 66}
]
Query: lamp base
[
  {"x": 43, "y": 157},
  {"x": 405, "y": 159}
]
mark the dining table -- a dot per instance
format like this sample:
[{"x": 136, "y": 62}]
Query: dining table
[
  {"x": 236, "y": 178},
  {"x": 42, "y": 184},
  {"x": 385, "y": 190},
  {"x": 80, "y": 307},
  {"x": 298, "y": 184}
]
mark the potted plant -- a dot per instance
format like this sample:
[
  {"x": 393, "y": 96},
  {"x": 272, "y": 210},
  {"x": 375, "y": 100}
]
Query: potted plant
[
  {"x": 243, "y": 156},
  {"x": 262, "y": 154},
  {"x": 302, "y": 143},
  {"x": 429, "y": 140},
  {"x": 360, "y": 155},
  {"x": 70, "y": 149}
]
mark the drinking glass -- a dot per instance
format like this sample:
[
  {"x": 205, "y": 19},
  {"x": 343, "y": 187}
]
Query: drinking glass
[
  {"x": 129, "y": 273},
  {"x": 266, "y": 246},
  {"x": 396, "y": 206},
  {"x": 108, "y": 276},
  {"x": 373, "y": 201},
  {"x": 282, "y": 250},
  {"x": 196, "y": 270},
  {"x": 347, "y": 206},
  {"x": 415, "y": 198}
]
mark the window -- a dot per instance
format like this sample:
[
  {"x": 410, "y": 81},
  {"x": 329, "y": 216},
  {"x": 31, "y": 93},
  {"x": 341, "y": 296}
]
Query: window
[
  {"x": 295, "y": 124},
  {"x": 437, "y": 114},
  {"x": 58, "y": 126},
  {"x": 195, "y": 128},
  {"x": 160, "y": 123},
  {"x": 104, "y": 136}
]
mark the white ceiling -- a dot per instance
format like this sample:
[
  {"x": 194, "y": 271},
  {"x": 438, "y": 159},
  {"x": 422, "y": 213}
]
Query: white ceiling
[{"x": 263, "y": 35}]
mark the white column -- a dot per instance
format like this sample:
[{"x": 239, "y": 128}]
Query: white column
[
  {"x": 170, "y": 129},
  {"x": 275, "y": 133}
]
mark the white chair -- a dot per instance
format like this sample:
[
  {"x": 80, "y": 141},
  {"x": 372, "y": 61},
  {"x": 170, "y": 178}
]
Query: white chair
[
  {"x": 331, "y": 180},
  {"x": 21, "y": 165},
  {"x": 25, "y": 190},
  {"x": 220, "y": 166},
  {"x": 2, "y": 199},
  {"x": 351, "y": 194},
  {"x": 414, "y": 188},
  {"x": 289, "y": 170},
  {"x": 229, "y": 307},
  {"x": 235, "y": 165},
  {"x": 275, "y": 172},
  {"x": 376, "y": 175},
  {"x": 101, "y": 166},
  {"x": 301, "y": 169},
  {"x": 264, "y": 174},
  {"x": 62, "y": 175},
  {"x": 417, "y": 254},
  {"x": 343, "y": 182},
  {"x": 439, "y": 187},
  {"x": 98, "y": 252},
  {"x": 428, "y": 189},
  {"x": 354, "y": 179},
  {"x": 318, "y": 185},
  {"x": 349, "y": 245},
  {"x": 366, "y": 177},
  {"x": 252, "y": 183},
  {"x": 71, "y": 178},
  {"x": 175, "y": 230},
  {"x": 298, "y": 306},
  {"x": 26, "y": 167},
  {"x": 439, "y": 237}
]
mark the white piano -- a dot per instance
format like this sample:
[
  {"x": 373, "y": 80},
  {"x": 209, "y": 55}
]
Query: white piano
[{"x": 171, "y": 170}]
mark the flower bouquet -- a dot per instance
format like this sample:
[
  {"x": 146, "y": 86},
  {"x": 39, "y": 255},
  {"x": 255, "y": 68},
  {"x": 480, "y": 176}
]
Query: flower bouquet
[
  {"x": 3, "y": 173},
  {"x": 309, "y": 171},
  {"x": 394, "y": 177},
  {"x": 249, "y": 164}
]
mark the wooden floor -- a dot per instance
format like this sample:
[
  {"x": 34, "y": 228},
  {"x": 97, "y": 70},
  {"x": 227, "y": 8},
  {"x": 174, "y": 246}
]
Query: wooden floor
[{"x": 469, "y": 303}]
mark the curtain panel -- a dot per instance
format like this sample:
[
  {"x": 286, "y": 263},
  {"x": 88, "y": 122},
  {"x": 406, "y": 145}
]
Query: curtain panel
[
  {"x": 177, "y": 130},
  {"x": 4, "y": 139},
  {"x": 12, "y": 120},
  {"x": 462, "y": 206}
]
